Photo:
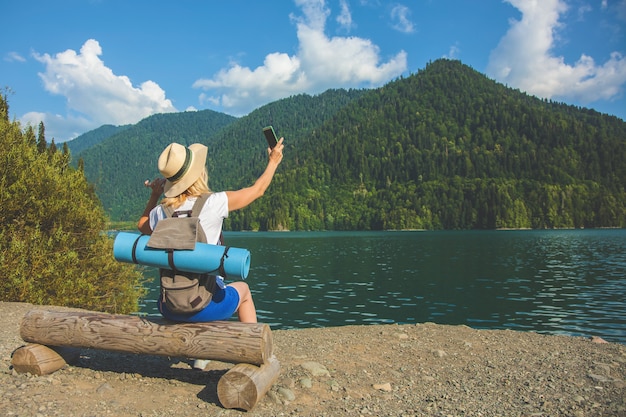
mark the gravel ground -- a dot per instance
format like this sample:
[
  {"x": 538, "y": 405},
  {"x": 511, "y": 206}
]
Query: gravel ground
[{"x": 379, "y": 370}]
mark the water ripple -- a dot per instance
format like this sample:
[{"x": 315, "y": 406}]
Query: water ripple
[{"x": 560, "y": 282}]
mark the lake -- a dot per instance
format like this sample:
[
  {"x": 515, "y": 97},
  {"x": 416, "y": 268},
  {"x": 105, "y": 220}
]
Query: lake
[{"x": 570, "y": 282}]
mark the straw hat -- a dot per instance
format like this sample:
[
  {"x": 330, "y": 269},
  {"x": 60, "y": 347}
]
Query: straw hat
[{"x": 181, "y": 166}]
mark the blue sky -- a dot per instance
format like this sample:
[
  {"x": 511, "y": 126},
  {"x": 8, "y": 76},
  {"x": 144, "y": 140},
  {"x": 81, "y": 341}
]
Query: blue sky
[{"x": 79, "y": 64}]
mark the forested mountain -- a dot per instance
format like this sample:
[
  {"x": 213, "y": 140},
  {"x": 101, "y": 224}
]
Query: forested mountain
[
  {"x": 119, "y": 164},
  {"x": 92, "y": 138},
  {"x": 239, "y": 153},
  {"x": 445, "y": 148}
]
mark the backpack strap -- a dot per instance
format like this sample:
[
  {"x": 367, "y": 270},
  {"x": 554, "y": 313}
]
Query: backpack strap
[
  {"x": 200, "y": 201},
  {"x": 168, "y": 210},
  {"x": 221, "y": 267},
  {"x": 195, "y": 210}
]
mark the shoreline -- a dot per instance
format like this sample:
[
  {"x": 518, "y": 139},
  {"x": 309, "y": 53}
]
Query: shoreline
[{"x": 411, "y": 369}]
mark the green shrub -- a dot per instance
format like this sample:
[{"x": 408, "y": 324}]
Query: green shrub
[{"x": 53, "y": 245}]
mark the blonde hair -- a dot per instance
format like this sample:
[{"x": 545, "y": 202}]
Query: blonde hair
[{"x": 196, "y": 189}]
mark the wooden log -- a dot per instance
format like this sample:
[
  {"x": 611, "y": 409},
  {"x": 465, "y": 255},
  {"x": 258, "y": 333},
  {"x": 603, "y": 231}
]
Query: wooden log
[
  {"x": 244, "y": 384},
  {"x": 42, "y": 360},
  {"x": 227, "y": 341}
]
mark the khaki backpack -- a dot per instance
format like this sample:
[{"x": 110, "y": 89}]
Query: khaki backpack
[{"x": 182, "y": 292}]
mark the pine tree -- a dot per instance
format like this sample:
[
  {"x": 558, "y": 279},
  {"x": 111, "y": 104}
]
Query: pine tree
[{"x": 41, "y": 138}]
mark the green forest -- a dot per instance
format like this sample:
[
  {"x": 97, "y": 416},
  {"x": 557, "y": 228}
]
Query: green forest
[{"x": 444, "y": 148}]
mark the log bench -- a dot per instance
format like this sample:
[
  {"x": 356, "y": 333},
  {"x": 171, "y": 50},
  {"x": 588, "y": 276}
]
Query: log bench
[{"x": 55, "y": 336}]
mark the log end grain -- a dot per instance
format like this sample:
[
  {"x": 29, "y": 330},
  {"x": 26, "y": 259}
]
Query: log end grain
[
  {"x": 38, "y": 359},
  {"x": 244, "y": 385}
]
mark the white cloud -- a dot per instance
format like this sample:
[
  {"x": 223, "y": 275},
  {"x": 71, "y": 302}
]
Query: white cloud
[
  {"x": 95, "y": 93},
  {"x": 583, "y": 10},
  {"x": 400, "y": 15},
  {"x": 320, "y": 63},
  {"x": 60, "y": 128},
  {"x": 453, "y": 52},
  {"x": 621, "y": 10},
  {"x": 14, "y": 56},
  {"x": 524, "y": 59},
  {"x": 244, "y": 88},
  {"x": 345, "y": 17}
]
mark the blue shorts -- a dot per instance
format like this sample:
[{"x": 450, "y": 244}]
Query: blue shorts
[{"x": 222, "y": 306}]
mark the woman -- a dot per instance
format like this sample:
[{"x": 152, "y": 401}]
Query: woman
[{"x": 185, "y": 178}]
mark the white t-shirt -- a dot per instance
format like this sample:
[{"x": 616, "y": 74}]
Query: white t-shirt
[{"x": 212, "y": 216}]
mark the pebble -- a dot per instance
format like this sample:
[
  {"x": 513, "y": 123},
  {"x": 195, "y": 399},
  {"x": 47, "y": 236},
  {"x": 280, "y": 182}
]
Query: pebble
[
  {"x": 315, "y": 368},
  {"x": 440, "y": 353},
  {"x": 383, "y": 387},
  {"x": 598, "y": 378},
  {"x": 106, "y": 387},
  {"x": 286, "y": 393}
]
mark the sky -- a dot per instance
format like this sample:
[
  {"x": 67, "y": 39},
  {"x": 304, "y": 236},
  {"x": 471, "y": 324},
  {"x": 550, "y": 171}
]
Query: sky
[{"x": 79, "y": 64}]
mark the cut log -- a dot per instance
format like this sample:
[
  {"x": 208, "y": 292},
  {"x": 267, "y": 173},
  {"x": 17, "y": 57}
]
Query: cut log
[
  {"x": 244, "y": 384},
  {"x": 42, "y": 360},
  {"x": 227, "y": 341}
]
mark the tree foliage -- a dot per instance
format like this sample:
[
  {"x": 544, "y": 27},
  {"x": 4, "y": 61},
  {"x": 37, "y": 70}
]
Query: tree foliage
[
  {"x": 93, "y": 137},
  {"x": 53, "y": 249},
  {"x": 448, "y": 148}
]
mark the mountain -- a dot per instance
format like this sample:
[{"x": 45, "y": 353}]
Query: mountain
[
  {"x": 119, "y": 164},
  {"x": 448, "y": 148},
  {"x": 445, "y": 148},
  {"x": 92, "y": 138}
]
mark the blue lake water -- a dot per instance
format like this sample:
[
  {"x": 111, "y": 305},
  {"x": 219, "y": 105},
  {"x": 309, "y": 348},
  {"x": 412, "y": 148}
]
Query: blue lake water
[{"x": 559, "y": 281}]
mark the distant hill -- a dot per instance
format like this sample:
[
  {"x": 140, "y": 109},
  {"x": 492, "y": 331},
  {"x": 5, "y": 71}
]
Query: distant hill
[
  {"x": 445, "y": 148},
  {"x": 92, "y": 138},
  {"x": 119, "y": 164}
]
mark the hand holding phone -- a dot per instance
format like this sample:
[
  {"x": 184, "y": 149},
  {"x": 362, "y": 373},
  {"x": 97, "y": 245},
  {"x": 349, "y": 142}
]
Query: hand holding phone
[{"x": 270, "y": 136}]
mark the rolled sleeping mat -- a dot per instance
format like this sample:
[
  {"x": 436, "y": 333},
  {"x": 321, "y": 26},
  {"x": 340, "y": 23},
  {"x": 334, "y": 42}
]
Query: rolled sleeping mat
[{"x": 205, "y": 258}]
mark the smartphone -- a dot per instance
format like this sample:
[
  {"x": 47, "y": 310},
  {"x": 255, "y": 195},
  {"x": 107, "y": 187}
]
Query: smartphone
[{"x": 270, "y": 136}]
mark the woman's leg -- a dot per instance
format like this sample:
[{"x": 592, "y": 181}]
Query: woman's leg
[{"x": 246, "y": 310}]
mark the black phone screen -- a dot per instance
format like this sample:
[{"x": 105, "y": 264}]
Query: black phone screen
[{"x": 270, "y": 136}]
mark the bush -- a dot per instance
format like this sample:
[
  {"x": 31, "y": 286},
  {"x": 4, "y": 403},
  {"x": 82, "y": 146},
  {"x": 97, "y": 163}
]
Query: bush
[{"x": 53, "y": 245}]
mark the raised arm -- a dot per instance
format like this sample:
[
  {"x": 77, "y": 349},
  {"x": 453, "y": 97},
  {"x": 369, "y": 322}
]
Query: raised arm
[
  {"x": 157, "y": 189},
  {"x": 241, "y": 198}
]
